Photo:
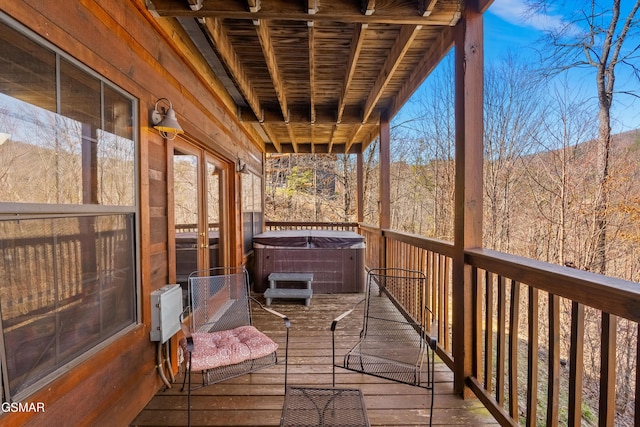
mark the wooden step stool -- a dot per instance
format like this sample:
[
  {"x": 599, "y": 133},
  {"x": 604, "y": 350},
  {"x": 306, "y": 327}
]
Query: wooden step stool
[{"x": 299, "y": 293}]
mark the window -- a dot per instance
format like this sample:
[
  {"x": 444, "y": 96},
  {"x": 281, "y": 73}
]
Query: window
[
  {"x": 251, "y": 209},
  {"x": 68, "y": 203}
]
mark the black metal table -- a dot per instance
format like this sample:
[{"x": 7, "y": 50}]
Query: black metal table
[{"x": 312, "y": 406}]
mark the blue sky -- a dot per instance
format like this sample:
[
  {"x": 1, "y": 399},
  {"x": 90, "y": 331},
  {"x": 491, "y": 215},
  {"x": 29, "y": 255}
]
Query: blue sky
[{"x": 507, "y": 25}]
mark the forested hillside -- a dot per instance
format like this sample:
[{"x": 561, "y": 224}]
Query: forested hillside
[{"x": 536, "y": 205}]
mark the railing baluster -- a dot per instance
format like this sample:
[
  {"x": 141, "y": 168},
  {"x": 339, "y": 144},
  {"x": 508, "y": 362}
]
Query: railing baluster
[
  {"x": 608, "y": 370},
  {"x": 532, "y": 359},
  {"x": 488, "y": 340},
  {"x": 576, "y": 364},
  {"x": 637, "y": 400},
  {"x": 514, "y": 320},
  {"x": 501, "y": 344},
  {"x": 477, "y": 318},
  {"x": 553, "y": 385},
  {"x": 444, "y": 284}
]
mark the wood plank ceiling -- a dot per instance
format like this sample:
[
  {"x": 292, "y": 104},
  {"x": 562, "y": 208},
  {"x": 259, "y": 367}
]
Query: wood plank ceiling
[{"x": 317, "y": 76}]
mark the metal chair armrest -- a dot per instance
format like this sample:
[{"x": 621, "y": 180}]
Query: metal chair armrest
[
  {"x": 335, "y": 321},
  {"x": 287, "y": 322}
]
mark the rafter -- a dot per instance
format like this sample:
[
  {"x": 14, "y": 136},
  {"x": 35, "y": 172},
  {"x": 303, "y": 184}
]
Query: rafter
[
  {"x": 369, "y": 7},
  {"x": 292, "y": 137},
  {"x": 232, "y": 61},
  {"x": 426, "y": 7},
  {"x": 272, "y": 137},
  {"x": 254, "y": 5},
  {"x": 312, "y": 139},
  {"x": 399, "y": 49},
  {"x": 312, "y": 7},
  {"x": 356, "y": 46},
  {"x": 312, "y": 75},
  {"x": 195, "y": 4},
  {"x": 301, "y": 116},
  {"x": 352, "y": 137},
  {"x": 272, "y": 64},
  {"x": 334, "y": 129},
  {"x": 429, "y": 61},
  {"x": 402, "y": 13}
]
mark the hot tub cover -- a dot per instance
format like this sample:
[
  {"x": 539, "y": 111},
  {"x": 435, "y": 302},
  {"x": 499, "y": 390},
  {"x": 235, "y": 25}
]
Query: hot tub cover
[{"x": 309, "y": 238}]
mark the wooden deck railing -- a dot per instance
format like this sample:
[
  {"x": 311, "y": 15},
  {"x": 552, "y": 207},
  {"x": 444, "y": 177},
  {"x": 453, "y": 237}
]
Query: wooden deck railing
[{"x": 552, "y": 345}]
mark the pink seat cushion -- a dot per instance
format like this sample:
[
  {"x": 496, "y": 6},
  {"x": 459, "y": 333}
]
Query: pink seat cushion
[{"x": 214, "y": 349}]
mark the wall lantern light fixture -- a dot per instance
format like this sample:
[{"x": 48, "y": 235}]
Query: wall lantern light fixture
[{"x": 164, "y": 120}]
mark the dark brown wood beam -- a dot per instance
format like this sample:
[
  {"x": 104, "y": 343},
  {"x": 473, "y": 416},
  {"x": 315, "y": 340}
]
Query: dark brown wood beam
[
  {"x": 272, "y": 64},
  {"x": 272, "y": 138},
  {"x": 385, "y": 174},
  {"x": 300, "y": 115},
  {"x": 312, "y": 75},
  {"x": 356, "y": 46},
  {"x": 406, "y": 13},
  {"x": 426, "y": 7},
  {"x": 369, "y": 7},
  {"x": 232, "y": 61},
  {"x": 254, "y": 5},
  {"x": 428, "y": 63},
  {"x": 292, "y": 137},
  {"x": 400, "y": 47}
]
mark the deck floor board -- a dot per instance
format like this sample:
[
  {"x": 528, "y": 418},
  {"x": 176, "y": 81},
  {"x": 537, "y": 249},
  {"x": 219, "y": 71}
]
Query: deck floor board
[{"x": 256, "y": 399}]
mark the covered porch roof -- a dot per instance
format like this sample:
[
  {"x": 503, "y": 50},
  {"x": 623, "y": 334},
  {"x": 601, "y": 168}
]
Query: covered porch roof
[{"x": 314, "y": 76}]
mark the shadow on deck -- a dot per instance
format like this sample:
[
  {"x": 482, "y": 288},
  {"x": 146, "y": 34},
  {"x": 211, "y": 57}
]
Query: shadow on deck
[{"x": 257, "y": 399}]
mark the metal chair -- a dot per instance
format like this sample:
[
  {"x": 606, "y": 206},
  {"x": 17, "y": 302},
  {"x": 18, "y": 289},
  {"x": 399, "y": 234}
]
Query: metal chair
[
  {"x": 220, "y": 340},
  {"x": 306, "y": 406},
  {"x": 392, "y": 341}
]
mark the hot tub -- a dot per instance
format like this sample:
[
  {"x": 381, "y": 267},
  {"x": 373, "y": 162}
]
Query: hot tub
[{"x": 336, "y": 258}]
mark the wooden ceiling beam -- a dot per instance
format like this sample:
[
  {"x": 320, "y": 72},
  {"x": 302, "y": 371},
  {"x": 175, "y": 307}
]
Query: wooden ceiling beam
[
  {"x": 272, "y": 65},
  {"x": 428, "y": 63},
  {"x": 399, "y": 49},
  {"x": 254, "y": 6},
  {"x": 369, "y": 7},
  {"x": 292, "y": 137},
  {"x": 352, "y": 137},
  {"x": 312, "y": 75},
  {"x": 425, "y": 7},
  {"x": 232, "y": 61},
  {"x": 403, "y": 13},
  {"x": 332, "y": 137},
  {"x": 313, "y": 138},
  {"x": 357, "y": 41},
  {"x": 272, "y": 137},
  {"x": 195, "y": 4},
  {"x": 301, "y": 116}
]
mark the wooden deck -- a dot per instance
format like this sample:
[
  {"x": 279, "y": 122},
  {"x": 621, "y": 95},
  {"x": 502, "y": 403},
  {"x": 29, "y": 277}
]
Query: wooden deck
[{"x": 257, "y": 399}]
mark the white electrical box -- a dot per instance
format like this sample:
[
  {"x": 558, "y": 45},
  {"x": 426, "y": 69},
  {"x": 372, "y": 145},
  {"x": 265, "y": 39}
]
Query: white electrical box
[{"x": 166, "y": 307}]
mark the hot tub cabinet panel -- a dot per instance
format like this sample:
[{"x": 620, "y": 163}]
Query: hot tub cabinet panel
[{"x": 336, "y": 258}]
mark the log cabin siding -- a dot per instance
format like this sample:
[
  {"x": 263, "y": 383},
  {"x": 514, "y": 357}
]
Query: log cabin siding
[{"x": 120, "y": 41}]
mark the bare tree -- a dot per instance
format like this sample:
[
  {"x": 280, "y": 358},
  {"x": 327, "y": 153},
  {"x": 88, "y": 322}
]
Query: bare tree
[
  {"x": 556, "y": 177},
  {"x": 513, "y": 112},
  {"x": 595, "y": 38}
]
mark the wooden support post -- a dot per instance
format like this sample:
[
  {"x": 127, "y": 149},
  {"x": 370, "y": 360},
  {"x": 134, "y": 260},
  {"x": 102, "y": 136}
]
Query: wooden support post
[
  {"x": 469, "y": 74},
  {"x": 360, "y": 201},
  {"x": 385, "y": 186}
]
